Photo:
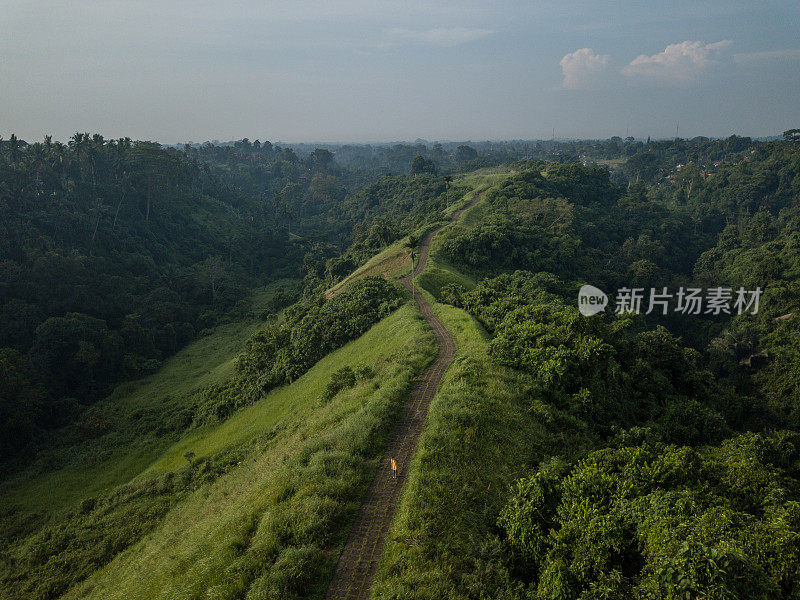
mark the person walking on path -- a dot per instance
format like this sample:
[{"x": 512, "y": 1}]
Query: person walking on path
[{"x": 394, "y": 467}]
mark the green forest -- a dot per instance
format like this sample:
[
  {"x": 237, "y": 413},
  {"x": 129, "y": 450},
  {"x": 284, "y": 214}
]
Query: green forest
[{"x": 205, "y": 350}]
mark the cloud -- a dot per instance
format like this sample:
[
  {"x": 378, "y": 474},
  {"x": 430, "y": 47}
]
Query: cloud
[
  {"x": 751, "y": 58},
  {"x": 678, "y": 63},
  {"x": 580, "y": 68},
  {"x": 440, "y": 36}
]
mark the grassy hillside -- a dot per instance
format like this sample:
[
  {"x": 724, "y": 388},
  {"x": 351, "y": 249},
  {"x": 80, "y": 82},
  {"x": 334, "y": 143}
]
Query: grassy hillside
[
  {"x": 476, "y": 443},
  {"x": 527, "y": 481},
  {"x": 439, "y": 272},
  {"x": 472, "y": 449},
  {"x": 114, "y": 255},
  {"x": 126, "y": 445},
  {"x": 275, "y": 519},
  {"x": 602, "y": 457},
  {"x": 394, "y": 262},
  {"x": 265, "y": 491}
]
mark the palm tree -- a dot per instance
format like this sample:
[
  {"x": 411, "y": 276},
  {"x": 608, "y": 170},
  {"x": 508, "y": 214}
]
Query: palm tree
[{"x": 411, "y": 244}]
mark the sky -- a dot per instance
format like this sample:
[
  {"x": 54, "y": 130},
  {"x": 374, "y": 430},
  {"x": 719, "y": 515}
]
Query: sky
[{"x": 372, "y": 71}]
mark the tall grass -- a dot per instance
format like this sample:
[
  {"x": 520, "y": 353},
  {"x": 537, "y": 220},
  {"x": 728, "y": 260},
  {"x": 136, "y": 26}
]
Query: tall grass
[
  {"x": 272, "y": 525},
  {"x": 438, "y": 272},
  {"x": 394, "y": 261},
  {"x": 259, "y": 506},
  {"x": 476, "y": 442},
  {"x": 479, "y": 437}
]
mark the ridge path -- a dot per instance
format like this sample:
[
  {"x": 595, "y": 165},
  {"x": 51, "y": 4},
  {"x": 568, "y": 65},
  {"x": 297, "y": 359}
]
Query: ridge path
[{"x": 358, "y": 562}]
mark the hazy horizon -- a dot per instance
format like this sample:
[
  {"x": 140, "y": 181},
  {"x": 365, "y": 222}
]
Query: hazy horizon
[
  {"x": 362, "y": 71},
  {"x": 408, "y": 142}
]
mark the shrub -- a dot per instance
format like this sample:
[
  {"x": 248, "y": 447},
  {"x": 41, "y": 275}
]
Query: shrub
[
  {"x": 282, "y": 351},
  {"x": 342, "y": 379}
]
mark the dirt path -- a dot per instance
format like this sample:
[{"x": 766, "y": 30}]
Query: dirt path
[{"x": 359, "y": 559}]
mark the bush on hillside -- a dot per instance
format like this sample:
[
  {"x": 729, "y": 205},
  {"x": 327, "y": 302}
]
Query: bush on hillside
[{"x": 282, "y": 352}]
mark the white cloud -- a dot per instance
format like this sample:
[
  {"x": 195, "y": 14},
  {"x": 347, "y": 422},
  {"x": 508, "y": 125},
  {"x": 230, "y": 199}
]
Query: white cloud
[
  {"x": 580, "y": 68},
  {"x": 440, "y": 36},
  {"x": 678, "y": 63}
]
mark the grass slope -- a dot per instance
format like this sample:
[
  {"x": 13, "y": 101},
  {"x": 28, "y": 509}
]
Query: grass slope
[
  {"x": 69, "y": 472},
  {"x": 394, "y": 262},
  {"x": 262, "y": 507},
  {"x": 438, "y": 272},
  {"x": 271, "y": 526},
  {"x": 478, "y": 438}
]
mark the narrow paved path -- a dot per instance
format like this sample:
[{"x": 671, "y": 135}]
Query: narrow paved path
[{"x": 359, "y": 559}]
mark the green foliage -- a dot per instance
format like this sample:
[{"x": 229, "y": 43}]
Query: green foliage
[
  {"x": 342, "y": 379},
  {"x": 58, "y": 555},
  {"x": 506, "y": 243},
  {"x": 658, "y": 521},
  {"x": 393, "y": 207},
  {"x": 476, "y": 438},
  {"x": 605, "y": 372},
  {"x": 571, "y": 221},
  {"x": 23, "y": 403},
  {"x": 113, "y": 254},
  {"x": 453, "y": 294},
  {"x": 421, "y": 165},
  {"x": 465, "y": 153},
  {"x": 641, "y": 518},
  {"x": 268, "y": 527},
  {"x": 283, "y": 351},
  {"x": 649, "y": 484},
  {"x": 530, "y": 515},
  {"x": 345, "y": 378},
  {"x": 492, "y": 299},
  {"x": 660, "y": 473},
  {"x": 530, "y": 224}
]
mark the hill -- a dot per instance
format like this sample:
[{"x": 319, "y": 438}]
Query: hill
[
  {"x": 635, "y": 454},
  {"x": 115, "y": 254}
]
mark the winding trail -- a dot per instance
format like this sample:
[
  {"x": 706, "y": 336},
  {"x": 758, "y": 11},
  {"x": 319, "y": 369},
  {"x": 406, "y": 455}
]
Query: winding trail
[{"x": 358, "y": 562}]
